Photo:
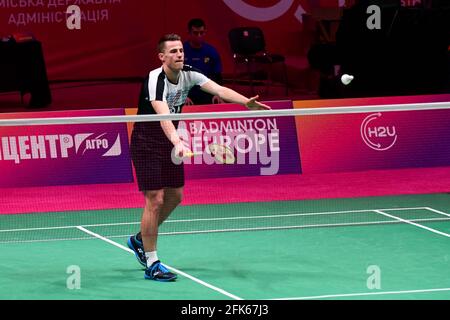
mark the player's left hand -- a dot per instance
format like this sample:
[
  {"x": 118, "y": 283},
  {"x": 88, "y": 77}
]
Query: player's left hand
[{"x": 253, "y": 104}]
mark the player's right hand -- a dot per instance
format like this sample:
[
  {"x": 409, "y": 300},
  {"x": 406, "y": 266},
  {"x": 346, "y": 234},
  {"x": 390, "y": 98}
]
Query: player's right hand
[{"x": 181, "y": 149}]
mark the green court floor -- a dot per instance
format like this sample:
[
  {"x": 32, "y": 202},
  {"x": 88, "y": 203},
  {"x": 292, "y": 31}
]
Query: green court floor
[{"x": 362, "y": 248}]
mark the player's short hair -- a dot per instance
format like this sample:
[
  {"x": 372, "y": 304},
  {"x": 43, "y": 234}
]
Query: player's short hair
[{"x": 165, "y": 38}]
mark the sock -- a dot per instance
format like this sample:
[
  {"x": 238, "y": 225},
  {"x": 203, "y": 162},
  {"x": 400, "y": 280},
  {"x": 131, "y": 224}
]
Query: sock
[{"x": 151, "y": 257}]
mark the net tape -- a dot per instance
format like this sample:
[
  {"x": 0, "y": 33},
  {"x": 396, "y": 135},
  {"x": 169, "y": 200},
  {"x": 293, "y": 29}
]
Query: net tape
[{"x": 229, "y": 114}]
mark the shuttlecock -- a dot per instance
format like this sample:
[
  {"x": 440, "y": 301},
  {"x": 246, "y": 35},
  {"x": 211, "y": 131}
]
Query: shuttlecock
[{"x": 346, "y": 79}]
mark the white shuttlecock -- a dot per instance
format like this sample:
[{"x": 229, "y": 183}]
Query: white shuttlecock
[{"x": 346, "y": 79}]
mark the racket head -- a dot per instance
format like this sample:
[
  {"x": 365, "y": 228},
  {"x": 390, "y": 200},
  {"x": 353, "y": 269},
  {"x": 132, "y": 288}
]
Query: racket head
[{"x": 222, "y": 153}]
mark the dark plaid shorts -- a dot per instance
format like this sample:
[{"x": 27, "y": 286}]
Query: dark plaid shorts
[{"x": 151, "y": 156}]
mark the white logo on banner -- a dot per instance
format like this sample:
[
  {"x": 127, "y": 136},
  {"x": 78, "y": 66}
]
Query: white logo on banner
[
  {"x": 232, "y": 142},
  {"x": 56, "y": 146},
  {"x": 380, "y": 138},
  {"x": 253, "y": 13},
  {"x": 98, "y": 143}
]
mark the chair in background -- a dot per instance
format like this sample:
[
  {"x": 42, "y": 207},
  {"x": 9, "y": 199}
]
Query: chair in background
[
  {"x": 23, "y": 69},
  {"x": 249, "y": 50}
]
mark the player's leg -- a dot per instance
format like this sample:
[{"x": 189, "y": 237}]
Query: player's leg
[
  {"x": 149, "y": 222},
  {"x": 148, "y": 167},
  {"x": 172, "y": 178},
  {"x": 173, "y": 181},
  {"x": 149, "y": 159},
  {"x": 172, "y": 198},
  {"x": 146, "y": 239},
  {"x": 154, "y": 202}
]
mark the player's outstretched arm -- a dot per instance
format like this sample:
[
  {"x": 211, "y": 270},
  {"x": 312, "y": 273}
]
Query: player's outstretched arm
[{"x": 229, "y": 95}]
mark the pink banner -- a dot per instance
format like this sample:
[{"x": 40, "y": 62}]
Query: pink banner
[
  {"x": 64, "y": 154},
  {"x": 240, "y": 147},
  {"x": 376, "y": 140}
]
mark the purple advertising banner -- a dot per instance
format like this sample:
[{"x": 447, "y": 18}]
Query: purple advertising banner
[
  {"x": 375, "y": 140},
  {"x": 240, "y": 146},
  {"x": 46, "y": 155}
]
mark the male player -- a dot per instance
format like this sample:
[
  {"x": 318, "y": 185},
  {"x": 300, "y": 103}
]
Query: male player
[{"x": 159, "y": 178}]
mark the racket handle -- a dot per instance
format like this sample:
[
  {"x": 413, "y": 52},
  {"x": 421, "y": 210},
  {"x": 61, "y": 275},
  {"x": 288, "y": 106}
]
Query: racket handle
[{"x": 193, "y": 154}]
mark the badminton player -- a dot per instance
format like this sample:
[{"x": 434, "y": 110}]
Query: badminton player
[{"x": 159, "y": 178}]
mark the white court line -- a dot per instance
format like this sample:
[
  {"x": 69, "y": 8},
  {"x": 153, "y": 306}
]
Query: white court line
[
  {"x": 437, "y": 211},
  {"x": 298, "y": 227},
  {"x": 284, "y": 215},
  {"x": 175, "y": 270},
  {"x": 414, "y": 224},
  {"x": 363, "y": 294},
  {"x": 348, "y": 224},
  {"x": 290, "y": 214}
]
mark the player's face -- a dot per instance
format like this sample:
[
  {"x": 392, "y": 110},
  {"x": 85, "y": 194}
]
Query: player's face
[{"x": 173, "y": 55}]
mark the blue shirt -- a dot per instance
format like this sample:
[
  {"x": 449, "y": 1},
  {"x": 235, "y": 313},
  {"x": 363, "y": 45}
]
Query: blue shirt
[{"x": 206, "y": 59}]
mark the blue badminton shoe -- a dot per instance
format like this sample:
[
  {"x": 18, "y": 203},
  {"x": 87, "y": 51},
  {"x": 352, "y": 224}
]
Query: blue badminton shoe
[
  {"x": 138, "y": 249},
  {"x": 159, "y": 273}
]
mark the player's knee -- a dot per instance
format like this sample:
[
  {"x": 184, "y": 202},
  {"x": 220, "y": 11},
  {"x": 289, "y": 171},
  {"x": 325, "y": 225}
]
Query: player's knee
[
  {"x": 154, "y": 200},
  {"x": 174, "y": 196}
]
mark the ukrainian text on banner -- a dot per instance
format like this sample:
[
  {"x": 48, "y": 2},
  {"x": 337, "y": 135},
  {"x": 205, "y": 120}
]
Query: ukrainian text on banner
[
  {"x": 95, "y": 39},
  {"x": 376, "y": 140},
  {"x": 46, "y": 155},
  {"x": 240, "y": 146}
]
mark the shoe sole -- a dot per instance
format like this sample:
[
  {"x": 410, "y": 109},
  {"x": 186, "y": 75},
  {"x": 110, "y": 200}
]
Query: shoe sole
[
  {"x": 130, "y": 245},
  {"x": 160, "y": 280}
]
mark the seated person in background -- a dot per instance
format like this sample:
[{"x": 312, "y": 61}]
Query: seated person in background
[{"x": 203, "y": 57}]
